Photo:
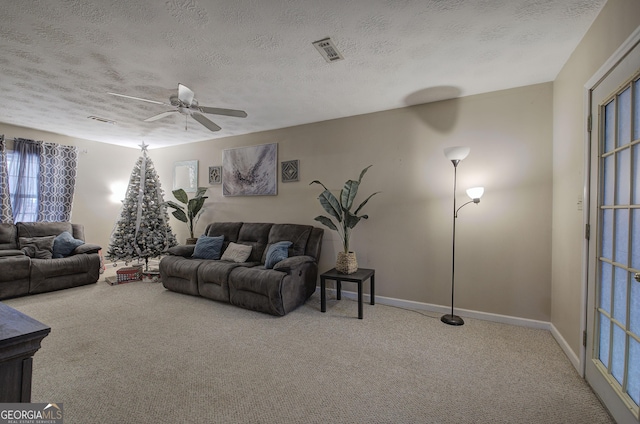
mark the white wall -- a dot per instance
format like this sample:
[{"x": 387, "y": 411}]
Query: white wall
[{"x": 617, "y": 20}]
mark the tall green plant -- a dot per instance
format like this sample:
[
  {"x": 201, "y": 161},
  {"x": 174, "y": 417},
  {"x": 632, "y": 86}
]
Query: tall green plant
[
  {"x": 190, "y": 212},
  {"x": 341, "y": 210}
]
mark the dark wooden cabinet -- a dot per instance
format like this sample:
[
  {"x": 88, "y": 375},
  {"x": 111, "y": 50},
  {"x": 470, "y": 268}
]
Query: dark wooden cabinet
[{"x": 20, "y": 337}]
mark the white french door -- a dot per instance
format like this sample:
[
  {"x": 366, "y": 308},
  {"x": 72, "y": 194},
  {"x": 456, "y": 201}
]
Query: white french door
[{"x": 612, "y": 365}]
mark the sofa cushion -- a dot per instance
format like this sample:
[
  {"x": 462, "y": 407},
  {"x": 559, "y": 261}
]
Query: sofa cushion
[
  {"x": 37, "y": 247},
  {"x": 296, "y": 234},
  {"x": 8, "y": 236},
  {"x": 256, "y": 235},
  {"x": 237, "y": 252},
  {"x": 208, "y": 247},
  {"x": 64, "y": 245},
  {"x": 276, "y": 253},
  {"x": 42, "y": 229}
]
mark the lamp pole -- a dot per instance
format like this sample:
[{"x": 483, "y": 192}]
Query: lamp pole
[{"x": 452, "y": 319}]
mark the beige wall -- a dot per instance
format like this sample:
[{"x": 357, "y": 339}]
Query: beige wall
[
  {"x": 503, "y": 245},
  {"x": 503, "y": 261},
  {"x": 618, "y": 19},
  {"x": 100, "y": 166}
]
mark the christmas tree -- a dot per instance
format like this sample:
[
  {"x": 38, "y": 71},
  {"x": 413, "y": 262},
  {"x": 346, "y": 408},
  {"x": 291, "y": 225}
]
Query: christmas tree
[{"x": 143, "y": 230}]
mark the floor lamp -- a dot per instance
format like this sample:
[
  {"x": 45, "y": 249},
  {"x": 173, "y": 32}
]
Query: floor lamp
[{"x": 455, "y": 155}]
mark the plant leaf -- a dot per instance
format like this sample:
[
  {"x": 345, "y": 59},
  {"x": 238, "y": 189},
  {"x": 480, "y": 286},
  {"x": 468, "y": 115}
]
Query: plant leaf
[
  {"x": 365, "y": 202},
  {"x": 195, "y": 205},
  {"x": 181, "y": 195},
  {"x": 326, "y": 221},
  {"x": 348, "y": 194},
  {"x": 201, "y": 191},
  {"x": 174, "y": 205},
  {"x": 331, "y": 204},
  {"x": 364, "y": 171},
  {"x": 351, "y": 220},
  {"x": 318, "y": 182},
  {"x": 180, "y": 215}
]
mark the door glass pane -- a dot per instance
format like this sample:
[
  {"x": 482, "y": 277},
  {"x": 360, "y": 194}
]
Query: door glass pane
[
  {"x": 623, "y": 171},
  {"x": 635, "y": 175},
  {"x": 635, "y": 241},
  {"x": 607, "y": 234},
  {"x": 636, "y": 115},
  {"x": 605, "y": 334},
  {"x": 620, "y": 295},
  {"x": 605, "y": 287},
  {"x": 633, "y": 374},
  {"x": 624, "y": 117},
  {"x": 617, "y": 359},
  {"x": 622, "y": 236},
  {"x": 609, "y": 126},
  {"x": 609, "y": 181},
  {"x": 634, "y": 318}
]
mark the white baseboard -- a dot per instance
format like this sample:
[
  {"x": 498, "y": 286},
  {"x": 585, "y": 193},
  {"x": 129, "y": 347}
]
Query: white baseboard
[
  {"x": 573, "y": 358},
  {"x": 486, "y": 316}
]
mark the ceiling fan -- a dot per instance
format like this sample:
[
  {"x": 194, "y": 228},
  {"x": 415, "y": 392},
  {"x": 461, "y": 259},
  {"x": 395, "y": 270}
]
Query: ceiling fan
[{"x": 186, "y": 104}]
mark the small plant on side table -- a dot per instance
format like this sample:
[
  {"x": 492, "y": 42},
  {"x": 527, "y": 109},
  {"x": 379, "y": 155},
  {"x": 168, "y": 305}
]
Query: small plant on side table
[{"x": 340, "y": 211}]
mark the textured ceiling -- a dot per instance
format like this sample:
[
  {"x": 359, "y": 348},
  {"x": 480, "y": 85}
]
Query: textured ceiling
[{"x": 60, "y": 58}]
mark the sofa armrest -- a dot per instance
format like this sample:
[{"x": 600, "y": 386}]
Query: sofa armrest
[
  {"x": 286, "y": 265},
  {"x": 11, "y": 252},
  {"x": 184, "y": 250},
  {"x": 86, "y": 248}
]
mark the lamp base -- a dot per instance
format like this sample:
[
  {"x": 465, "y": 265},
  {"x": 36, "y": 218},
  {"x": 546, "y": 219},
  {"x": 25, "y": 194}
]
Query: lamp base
[{"x": 452, "y": 319}]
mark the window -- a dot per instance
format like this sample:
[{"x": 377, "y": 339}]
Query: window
[{"x": 24, "y": 203}]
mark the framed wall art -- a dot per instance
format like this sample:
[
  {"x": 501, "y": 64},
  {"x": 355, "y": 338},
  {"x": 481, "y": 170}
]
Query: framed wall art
[
  {"x": 290, "y": 171},
  {"x": 250, "y": 171},
  {"x": 215, "y": 175}
]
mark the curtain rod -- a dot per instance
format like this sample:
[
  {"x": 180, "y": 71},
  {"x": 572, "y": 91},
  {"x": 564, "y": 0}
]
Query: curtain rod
[{"x": 14, "y": 139}]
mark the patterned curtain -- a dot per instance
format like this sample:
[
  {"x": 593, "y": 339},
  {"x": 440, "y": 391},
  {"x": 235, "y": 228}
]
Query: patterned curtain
[
  {"x": 23, "y": 174},
  {"x": 58, "y": 169},
  {"x": 6, "y": 216}
]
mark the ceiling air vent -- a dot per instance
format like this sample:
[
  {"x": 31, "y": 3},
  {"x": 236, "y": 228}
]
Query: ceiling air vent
[
  {"x": 106, "y": 121},
  {"x": 328, "y": 50}
]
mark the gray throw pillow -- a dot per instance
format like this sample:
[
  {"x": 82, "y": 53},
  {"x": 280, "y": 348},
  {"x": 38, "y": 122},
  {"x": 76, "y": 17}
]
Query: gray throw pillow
[{"x": 37, "y": 247}]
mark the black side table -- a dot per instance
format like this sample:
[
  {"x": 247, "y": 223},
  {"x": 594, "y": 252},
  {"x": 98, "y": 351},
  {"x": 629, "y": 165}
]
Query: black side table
[{"x": 360, "y": 276}]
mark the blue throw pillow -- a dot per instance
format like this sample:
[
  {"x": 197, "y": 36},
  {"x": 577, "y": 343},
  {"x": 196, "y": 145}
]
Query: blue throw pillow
[
  {"x": 64, "y": 245},
  {"x": 276, "y": 252},
  {"x": 208, "y": 247}
]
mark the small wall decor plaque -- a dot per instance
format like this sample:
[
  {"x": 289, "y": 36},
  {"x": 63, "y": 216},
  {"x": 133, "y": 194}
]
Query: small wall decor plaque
[
  {"x": 290, "y": 170},
  {"x": 215, "y": 175}
]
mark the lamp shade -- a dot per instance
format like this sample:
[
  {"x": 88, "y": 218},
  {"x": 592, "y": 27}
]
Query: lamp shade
[
  {"x": 457, "y": 152},
  {"x": 475, "y": 192}
]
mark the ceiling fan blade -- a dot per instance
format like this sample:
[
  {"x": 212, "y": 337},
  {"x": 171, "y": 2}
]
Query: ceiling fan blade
[
  {"x": 160, "y": 116},
  {"x": 185, "y": 94},
  {"x": 226, "y": 112},
  {"x": 205, "y": 121},
  {"x": 138, "y": 98}
]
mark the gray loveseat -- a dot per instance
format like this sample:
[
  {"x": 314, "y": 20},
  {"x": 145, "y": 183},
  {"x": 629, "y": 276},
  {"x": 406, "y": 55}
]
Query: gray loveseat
[
  {"x": 249, "y": 284},
  {"x": 27, "y": 265}
]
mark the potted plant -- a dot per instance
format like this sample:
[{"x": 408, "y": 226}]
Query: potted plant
[
  {"x": 340, "y": 211},
  {"x": 190, "y": 212}
]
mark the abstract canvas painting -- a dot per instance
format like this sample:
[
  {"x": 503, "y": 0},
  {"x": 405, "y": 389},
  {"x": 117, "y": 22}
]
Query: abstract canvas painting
[{"x": 250, "y": 171}]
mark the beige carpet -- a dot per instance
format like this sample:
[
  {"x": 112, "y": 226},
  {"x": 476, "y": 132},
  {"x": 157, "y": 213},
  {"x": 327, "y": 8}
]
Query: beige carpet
[{"x": 137, "y": 353}]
